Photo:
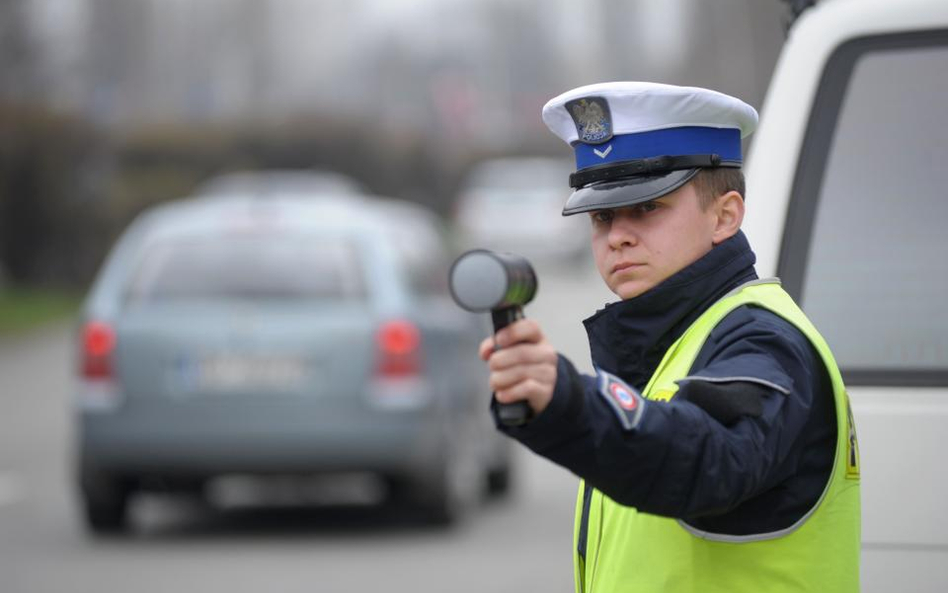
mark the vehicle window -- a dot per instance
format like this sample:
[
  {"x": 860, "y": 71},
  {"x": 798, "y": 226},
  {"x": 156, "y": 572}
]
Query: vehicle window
[
  {"x": 248, "y": 267},
  {"x": 874, "y": 276},
  {"x": 422, "y": 254}
]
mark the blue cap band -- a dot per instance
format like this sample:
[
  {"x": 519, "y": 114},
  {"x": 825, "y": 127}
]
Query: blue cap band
[{"x": 725, "y": 142}]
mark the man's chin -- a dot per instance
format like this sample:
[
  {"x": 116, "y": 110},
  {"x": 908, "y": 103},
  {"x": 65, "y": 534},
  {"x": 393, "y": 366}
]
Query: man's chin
[{"x": 631, "y": 289}]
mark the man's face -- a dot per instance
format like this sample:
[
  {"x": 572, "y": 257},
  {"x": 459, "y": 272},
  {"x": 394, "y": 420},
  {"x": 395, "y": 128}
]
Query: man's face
[{"x": 639, "y": 246}]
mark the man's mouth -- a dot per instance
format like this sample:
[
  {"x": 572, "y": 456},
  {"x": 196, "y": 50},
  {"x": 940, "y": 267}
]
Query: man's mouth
[{"x": 625, "y": 266}]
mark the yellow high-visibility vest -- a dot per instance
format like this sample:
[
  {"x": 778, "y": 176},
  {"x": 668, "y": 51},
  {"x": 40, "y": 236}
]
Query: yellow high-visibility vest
[{"x": 629, "y": 551}]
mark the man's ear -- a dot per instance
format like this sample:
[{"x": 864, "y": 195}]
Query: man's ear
[{"x": 729, "y": 214}]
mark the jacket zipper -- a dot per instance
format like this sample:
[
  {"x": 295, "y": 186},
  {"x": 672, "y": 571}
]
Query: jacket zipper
[{"x": 581, "y": 536}]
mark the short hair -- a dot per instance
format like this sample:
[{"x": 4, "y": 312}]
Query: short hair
[{"x": 711, "y": 183}]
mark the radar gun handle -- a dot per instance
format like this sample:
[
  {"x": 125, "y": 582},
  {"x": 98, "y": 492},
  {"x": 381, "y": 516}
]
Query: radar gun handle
[{"x": 517, "y": 413}]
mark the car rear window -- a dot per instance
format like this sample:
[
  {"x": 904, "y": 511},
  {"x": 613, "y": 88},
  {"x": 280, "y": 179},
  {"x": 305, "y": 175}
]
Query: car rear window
[
  {"x": 872, "y": 238},
  {"x": 252, "y": 267}
]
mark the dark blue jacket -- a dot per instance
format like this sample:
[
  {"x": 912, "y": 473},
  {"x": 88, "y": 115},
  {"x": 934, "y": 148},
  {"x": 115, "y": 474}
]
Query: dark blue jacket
[{"x": 738, "y": 457}]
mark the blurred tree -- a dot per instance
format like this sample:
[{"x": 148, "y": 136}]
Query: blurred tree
[
  {"x": 46, "y": 168},
  {"x": 18, "y": 56},
  {"x": 48, "y": 229},
  {"x": 17, "y": 59}
]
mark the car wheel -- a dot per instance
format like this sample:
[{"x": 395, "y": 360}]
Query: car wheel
[
  {"x": 499, "y": 477},
  {"x": 499, "y": 481},
  {"x": 445, "y": 494},
  {"x": 457, "y": 488},
  {"x": 105, "y": 501}
]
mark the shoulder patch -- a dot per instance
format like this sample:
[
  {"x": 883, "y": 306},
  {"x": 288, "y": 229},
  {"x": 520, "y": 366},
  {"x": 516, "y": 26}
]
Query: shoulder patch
[{"x": 627, "y": 403}]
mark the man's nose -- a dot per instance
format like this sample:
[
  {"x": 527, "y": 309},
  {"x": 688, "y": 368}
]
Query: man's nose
[{"x": 622, "y": 233}]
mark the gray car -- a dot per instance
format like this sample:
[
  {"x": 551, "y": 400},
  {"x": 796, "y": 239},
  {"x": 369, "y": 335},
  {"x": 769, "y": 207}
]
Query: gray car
[{"x": 236, "y": 335}]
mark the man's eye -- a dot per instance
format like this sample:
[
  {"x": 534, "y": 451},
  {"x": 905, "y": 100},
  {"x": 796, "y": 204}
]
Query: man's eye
[
  {"x": 646, "y": 207},
  {"x": 602, "y": 216}
]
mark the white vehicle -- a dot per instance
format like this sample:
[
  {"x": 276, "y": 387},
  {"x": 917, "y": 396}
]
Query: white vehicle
[
  {"x": 847, "y": 204},
  {"x": 514, "y": 204}
]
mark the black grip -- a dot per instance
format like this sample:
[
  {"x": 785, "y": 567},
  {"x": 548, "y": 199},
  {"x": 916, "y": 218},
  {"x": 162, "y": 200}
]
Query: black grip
[{"x": 517, "y": 413}]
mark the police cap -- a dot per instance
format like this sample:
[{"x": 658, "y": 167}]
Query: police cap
[{"x": 637, "y": 141}]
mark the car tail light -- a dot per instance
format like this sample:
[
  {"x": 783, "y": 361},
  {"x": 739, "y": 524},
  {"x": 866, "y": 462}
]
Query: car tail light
[
  {"x": 98, "y": 346},
  {"x": 399, "y": 344}
]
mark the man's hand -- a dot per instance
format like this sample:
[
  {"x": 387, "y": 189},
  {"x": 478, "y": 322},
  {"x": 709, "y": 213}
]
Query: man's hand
[{"x": 522, "y": 366}]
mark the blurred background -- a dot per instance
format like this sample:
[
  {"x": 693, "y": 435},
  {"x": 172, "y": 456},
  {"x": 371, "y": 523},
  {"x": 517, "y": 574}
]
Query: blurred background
[
  {"x": 111, "y": 105},
  {"x": 111, "y": 108}
]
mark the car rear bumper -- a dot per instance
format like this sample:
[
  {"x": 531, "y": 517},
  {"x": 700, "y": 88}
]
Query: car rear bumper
[{"x": 271, "y": 439}]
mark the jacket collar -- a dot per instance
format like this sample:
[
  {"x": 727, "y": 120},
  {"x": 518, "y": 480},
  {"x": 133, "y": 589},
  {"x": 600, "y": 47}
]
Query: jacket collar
[{"x": 628, "y": 338}]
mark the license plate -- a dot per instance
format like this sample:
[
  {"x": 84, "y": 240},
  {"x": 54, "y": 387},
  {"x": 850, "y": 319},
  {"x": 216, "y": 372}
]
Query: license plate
[{"x": 237, "y": 373}]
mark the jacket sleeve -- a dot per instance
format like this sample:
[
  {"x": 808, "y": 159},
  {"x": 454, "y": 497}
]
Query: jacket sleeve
[{"x": 684, "y": 458}]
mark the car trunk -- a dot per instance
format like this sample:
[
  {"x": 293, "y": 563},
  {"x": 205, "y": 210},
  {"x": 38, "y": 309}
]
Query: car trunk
[{"x": 233, "y": 354}]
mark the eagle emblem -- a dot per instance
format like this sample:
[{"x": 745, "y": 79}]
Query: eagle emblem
[{"x": 592, "y": 118}]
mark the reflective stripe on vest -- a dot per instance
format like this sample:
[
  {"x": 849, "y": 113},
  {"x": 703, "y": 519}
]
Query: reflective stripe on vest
[{"x": 630, "y": 551}]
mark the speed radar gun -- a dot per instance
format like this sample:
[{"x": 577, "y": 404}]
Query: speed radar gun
[{"x": 501, "y": 283}]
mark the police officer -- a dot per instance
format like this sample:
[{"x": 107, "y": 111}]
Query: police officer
[{"x": 715, "y": 444}]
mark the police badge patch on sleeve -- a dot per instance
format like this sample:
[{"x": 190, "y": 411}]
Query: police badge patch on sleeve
[{"x": 626, "y": 402}]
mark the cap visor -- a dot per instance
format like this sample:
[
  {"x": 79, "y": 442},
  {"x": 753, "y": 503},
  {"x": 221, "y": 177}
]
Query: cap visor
[{"x": 625, "y": 192}]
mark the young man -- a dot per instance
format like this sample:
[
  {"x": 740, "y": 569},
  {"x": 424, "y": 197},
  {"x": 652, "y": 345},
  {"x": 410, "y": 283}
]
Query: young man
[{"x": 715, "y": 443}]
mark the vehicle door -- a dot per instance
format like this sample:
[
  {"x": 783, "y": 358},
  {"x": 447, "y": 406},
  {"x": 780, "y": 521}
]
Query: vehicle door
[{"x": 865, "y": 252}]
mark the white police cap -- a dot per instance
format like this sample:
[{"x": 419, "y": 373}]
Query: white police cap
[{"x": 637, "y": 141}]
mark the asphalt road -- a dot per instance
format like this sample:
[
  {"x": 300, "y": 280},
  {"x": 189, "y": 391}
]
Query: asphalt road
[{"x": 520, "y": 544}]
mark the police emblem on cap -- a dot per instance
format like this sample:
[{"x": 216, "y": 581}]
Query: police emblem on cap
[{"x": 592, "y": 118}]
